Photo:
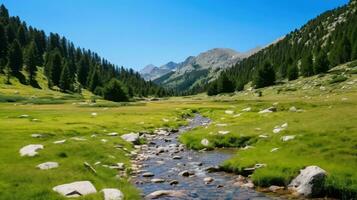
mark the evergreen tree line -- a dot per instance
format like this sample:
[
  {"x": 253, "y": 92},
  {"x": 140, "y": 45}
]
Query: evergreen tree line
[
  {"x": 67, "y": 67},
  {"x": 314, "y": 49}
]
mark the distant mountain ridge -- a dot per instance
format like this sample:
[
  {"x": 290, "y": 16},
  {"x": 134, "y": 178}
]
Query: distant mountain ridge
[{"x": 194, "y": 70}]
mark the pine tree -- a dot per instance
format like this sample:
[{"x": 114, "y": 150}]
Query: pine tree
[
  {"x": 4, "y": 15},
  {"x": 265, "y": 76},
  {"x": 83, "y": 70},
  {"x": 307, "y": 66},
  {"x": 94, "y": 81},
  {"x": 31, "y": 61},
  {"x": 321, "y": 64},
  {"x": 224, "y": 85},
  {"x": 115, "y": 91},
  {"x": 3, "y": 46},
  {"x": 21, "y": 36},
  {"x": 65, "y": 82},
  {"x": 15, "y": 59},
  {"x": 54, "y": 68},
  {"x": 212, "y": 89},
  {"x": 293, "y": 72}
]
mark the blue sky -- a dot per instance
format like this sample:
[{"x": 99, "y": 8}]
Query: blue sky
[{"x": 134, "y": 33}]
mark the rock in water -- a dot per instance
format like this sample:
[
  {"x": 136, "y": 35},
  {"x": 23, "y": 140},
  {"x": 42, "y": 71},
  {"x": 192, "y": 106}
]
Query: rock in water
[
  {"x": 309, "y": 182},
  {"x": 169, "y": 193},
  {"x": 75, "y": 189},
  {"x": 30, "y": 150},
  {"x": 131, "y": 137},
  {"x": 148, "y": 174},
  {"x": 47, "y": 165},
  {"x": 112, "y": 194}
]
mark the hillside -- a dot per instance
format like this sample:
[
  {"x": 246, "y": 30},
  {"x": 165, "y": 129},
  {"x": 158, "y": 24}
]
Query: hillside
[
  {"x": 196, "y": 71},
  {"x": 68, "y": 68},
  {"x": 152, "y": 72},
  {"x": 324, "y": 42}
]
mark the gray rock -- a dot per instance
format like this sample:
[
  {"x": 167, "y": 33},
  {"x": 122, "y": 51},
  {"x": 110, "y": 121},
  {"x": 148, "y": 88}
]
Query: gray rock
[
  {"x": 47, "y": 165},
  {"x": 309, "y": 182},
  {"x": 157, "y": 180},
  {"x": 167, "y": 193},
  {"x": 131, "y": 137},
  {"x": 148, "y": 174},
  {"x": 59, "y": 142},
  {"x": 287, "y": 138},
  {"x": 174, "y": 182},
  {"x": 275, "y": 188},
  {"x": 205, "y": 142},
  {"x": 208, "y": 180},
  {"x": 186, "y": 173},
  {"x": 177, "y": 157},
  {"x": 112, "y": 194},
  {"x": 36, "y": 135},
  {"x": 75, "y": 189},
  {"x": 30, "y": 150},
  {"x": 268, "y": 110}
]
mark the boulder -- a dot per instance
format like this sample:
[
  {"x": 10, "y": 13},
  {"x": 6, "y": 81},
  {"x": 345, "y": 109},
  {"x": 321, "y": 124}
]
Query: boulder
[
  {"x": 157, "y": 180},
  {"x": 168, "y": 193},
  {"x": 112, "y": 194},
  {"x": 174, "y": 182},
  {"x": 131, "y": 137},
  {"x": 148, "y": 174},
  {"x": 293, "y": 109},
  {"x": 47, "y": 165},
  {"x": 205, "y": 142},
  {"x": 309, "y": 182},
  {"x": 287, "y": 138},
  {"x": 208, "y": 180},
  {"x": 268, "y": 110},
  {"x": 75, "y": 189},
  {"x": 30, "y": 150},
  {"x": 186, "y": 173}
]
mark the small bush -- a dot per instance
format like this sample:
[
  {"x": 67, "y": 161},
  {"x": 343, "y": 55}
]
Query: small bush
[{"x": 338, "y": 79}]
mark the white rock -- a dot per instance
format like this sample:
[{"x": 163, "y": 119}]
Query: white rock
[
  {"x": 104, "y": 140},
  {"x": 75, "y": 189},
  {"x": 165, "y": 120},
  {"x": 30, "y": 150},
  {"x": 293, "y": 109},
  {"x": 205, "y": 142},
  {"x": 263, "y": 136},
  {"x": 237, "y": 115},
  {"x": 36, "y": 135},
  {"x": 208, "y": 180},
  {"x": 277, "y": 130},
  {"x": 131, "y": 137},
  {"x": 274, "y": 149},
  {"x": 112, "y": 194},
  {"x": 112, "y": 134},
  {"x": 157, "y": 180},
  {"x": 229, "y": 112},
  {"x": 47, "y": 165},
  {"x": 169, "y": 193},
  {"x": 78, "y": 139},
  {"x": 221, "y": 125},
  {"x": 223, "y": 132},
  {"x": 268, "y": 110},
  {"x": 59, "y": 142},
  {"x": 309, "y": 182},
  {"x": 24, "y": 116},
  {"x": 247, "y": 109},
  {"x": 285, "y": 125},
  {"x": 287, "y": 138},
  {"x": 94, "y": 114}
]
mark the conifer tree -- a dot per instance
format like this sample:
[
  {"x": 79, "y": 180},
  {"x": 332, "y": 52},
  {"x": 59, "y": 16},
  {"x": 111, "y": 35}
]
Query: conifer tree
[
  {"x": 94, "y": 81},
  {"x": 3, "y": 46},
  {"x": 224, "y": 85},
  {"x": 265, "y": 76},
  {"x": 321, "y": 64},
  {"x": 293, "y": 72},
  {"x": 212, "y": 89},
  {"x": 15, "y": 59},
  {"x": 54, "y": 67},
  {"x": 21, "y": 36},
  {"x": 66, "y": 82},
  {"x": 31, "y": 61},
  {"x": 115, "y": 91},
  {"x": 83, "y": 69},
  {"x": 307, "y": 65}
]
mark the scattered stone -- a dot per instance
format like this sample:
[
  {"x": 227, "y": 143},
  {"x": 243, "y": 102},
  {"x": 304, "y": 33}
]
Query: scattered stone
[
  {"x": 113, "y": 134},
  {"x": 211, "y": 169},
  {"x": 285, "y": 125},
  {"x": 112, "y": 194},
  {"x": 248, "y": 185},
  {"x": 148, "y": 174},
  {"x": 268, "y": 110},
  {"x": 259, "y": 165},
  {"x": 205, "y": 142},
  {"x": 275, "y": 188},
  {"x": 219, "y": 186},
  {"x": 157, "y": 180},
  {"x": 30, "y": 150},
  {"x": 208, "y": 180},
  {"x": 165, "y": 120},
  {"x": 274, "y": 149},
  {"x": 131, "y": 137},
  {"x": 223, "y": 132},
  {"x": 94, "y": 114},
  {"x": 177, "y": 157},
  {"x": 221, "y": 125},
  {"x": 263, "y": 136},
  {"x": 78, "y": 139},
  {"x": 309, "y": 182},
  {"x": 88, "y": 166},
  {"x": 186, "y": 173},
  {"x": 168, "y": 193},
  {"x": 174, "y": 182},
  {"x": 24, "y": 116},
  {"x": 229, "y": 112},
  {"x": 104, "y": 140},
  {"x": 287, "y": 138},
  {"x": 59, "y": 142},
  {"x": 277, "y": 130},
  {"x": 97, "y": 163},
  {"x": 47, "y": 165},
  {"x": 75, "y": 189},
  {"x": 237, "y": 115},
  {"x": 293, "y": 109},
  {"x": 36, "y": 135},
  {"x": 247, "y": 109}
]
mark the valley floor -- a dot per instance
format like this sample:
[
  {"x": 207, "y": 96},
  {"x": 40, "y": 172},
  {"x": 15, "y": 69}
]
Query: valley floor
[{"x": 319, "y": 117}]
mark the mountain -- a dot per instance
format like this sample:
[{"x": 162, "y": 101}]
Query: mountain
[
  {"x": 322, "y": 43},
  {"x": 151, "y": 72},
  {"x": 196, "y": 71}
]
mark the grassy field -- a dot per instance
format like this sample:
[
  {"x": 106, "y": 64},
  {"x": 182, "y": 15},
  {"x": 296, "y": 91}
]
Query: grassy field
[{"x": 325, "y": 133}]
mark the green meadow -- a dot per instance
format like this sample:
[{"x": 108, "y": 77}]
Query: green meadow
[{"x": 323, "y": 126}]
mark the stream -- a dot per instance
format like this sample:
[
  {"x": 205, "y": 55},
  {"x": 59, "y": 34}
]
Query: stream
[{"x": 164, "y": 158}]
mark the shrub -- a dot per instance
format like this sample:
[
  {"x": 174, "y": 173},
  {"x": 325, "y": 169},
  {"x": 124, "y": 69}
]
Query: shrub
[{"x": 115, "y": 91}]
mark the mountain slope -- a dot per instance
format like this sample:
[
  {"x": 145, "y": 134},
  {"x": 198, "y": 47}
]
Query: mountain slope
[
  {"x": 196, "y": 71},
  {"x": 324, "y": 42},
  {"x": 151, "y": 72}
]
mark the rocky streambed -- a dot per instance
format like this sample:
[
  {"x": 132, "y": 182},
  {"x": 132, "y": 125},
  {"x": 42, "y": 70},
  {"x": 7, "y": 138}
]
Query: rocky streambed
[{"x": 165, "y": 169}]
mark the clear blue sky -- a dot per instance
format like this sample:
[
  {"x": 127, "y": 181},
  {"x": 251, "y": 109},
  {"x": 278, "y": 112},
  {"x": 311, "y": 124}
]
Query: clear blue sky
[{"x": 135, "y": 33}]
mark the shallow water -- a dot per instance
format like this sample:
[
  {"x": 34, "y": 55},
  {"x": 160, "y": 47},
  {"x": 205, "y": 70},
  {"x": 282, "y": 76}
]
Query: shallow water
[{"x": 165, "y": 167}]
